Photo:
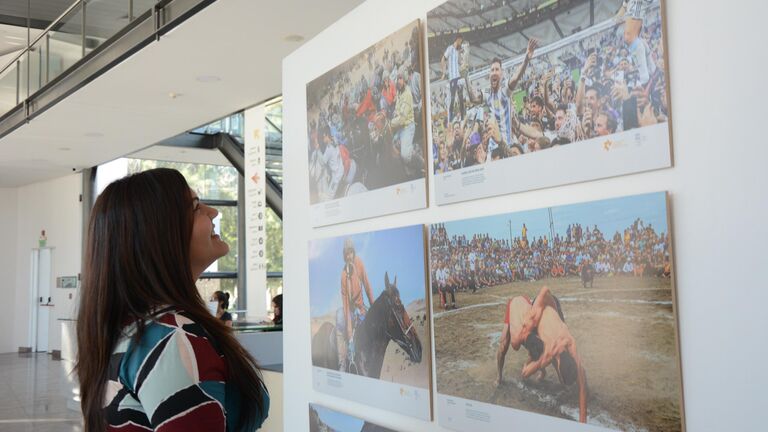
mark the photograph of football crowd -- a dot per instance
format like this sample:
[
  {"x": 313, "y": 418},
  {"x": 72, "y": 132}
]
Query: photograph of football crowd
[
  {"x": 322, "y": 419},
  {"x": 509, "y": 78},
  {"x": 583, "y": 294},
  {"x": 365, "y": 120},
  {"x": 368, "y": 305}
]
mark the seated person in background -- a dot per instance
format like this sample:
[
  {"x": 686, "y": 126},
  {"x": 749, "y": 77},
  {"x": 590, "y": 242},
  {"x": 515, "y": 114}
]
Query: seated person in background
[
  {"x": 222, "y": 304},
  {"x": 277, "y": 306}
]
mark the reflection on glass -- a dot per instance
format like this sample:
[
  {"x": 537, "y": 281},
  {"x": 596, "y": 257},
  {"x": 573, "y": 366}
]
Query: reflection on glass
[
  {"x": 23, "y": 68},
  {"x": 103, "y": 18},
  {"x": 38, "y": 66},
  {"x": 66, "y": 43},
  {"x": 8, "y": 88},
  {"x": 141, "y": 6}
]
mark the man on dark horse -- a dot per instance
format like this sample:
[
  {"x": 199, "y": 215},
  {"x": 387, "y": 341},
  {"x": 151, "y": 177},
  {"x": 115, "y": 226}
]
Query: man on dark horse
[{"x": 354, "y": 279}]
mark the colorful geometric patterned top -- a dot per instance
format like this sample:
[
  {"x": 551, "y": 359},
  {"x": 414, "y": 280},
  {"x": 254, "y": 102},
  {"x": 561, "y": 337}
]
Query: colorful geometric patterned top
[{"x": 173, "y": 379}]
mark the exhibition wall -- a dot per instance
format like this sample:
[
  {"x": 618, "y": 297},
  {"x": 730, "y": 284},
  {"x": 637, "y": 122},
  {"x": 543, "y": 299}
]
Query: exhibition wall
[
  {"x": 716, "y": 189},
  {"x": 8, "y": 221}
]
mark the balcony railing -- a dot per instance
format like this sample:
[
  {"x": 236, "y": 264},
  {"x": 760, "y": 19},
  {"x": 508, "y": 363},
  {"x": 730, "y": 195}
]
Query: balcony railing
[
  {"x": 80, "y": 29},
  {"x": 88, "y": 38}
]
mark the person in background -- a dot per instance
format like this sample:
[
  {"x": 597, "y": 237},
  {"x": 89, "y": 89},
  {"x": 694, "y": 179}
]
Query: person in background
[
  {"x": 151, "y": 356},
  {"x": 221, "y": 299},
  {"x": 277, "y": 306}
]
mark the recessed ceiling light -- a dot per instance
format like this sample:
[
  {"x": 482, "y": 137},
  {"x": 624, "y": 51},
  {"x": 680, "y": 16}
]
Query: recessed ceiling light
[
  {"x": 94, "y": 134},
  {"x": 293, "y": 38},
  {"x": 173, "y": 95},
  {"x": 208, "y": 78},
  {"x": 65, "y": 148}
]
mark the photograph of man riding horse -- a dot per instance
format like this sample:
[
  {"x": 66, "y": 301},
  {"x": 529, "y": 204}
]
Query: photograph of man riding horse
[
  {"x": 354, "y": 282},
  {"x": 368, "y": 305},
  {"x": 365, "y": 122}
]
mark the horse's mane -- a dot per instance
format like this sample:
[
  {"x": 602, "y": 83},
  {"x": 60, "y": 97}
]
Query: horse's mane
[{"x": 378, "y": 306}]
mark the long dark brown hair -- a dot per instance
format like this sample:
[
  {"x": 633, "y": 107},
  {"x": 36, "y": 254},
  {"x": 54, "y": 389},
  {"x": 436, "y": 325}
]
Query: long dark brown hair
[{"x": 138, "y": 259}]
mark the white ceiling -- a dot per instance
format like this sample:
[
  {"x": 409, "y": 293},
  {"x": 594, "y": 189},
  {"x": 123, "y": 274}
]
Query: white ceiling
[{"x": 128, "y": 108}]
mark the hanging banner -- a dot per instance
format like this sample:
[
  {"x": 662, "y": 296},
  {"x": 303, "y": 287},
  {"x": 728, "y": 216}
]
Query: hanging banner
[{"x": 255, "y": 212}]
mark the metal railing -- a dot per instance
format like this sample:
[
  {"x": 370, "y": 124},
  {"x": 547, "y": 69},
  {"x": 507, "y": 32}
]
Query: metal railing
[
  {"x": 64, "y": 42},
  {"x": 86, "y": 40}
]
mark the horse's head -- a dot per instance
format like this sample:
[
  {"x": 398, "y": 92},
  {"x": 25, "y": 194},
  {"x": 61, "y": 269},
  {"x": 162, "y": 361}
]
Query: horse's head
[{"x": 400, "y": 328}]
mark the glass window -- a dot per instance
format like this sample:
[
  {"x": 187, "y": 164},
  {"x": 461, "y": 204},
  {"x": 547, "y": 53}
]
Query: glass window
[
  {"x": 206, "y": 288},
  {"x": 232, "y": 125},
  {"x": 274, "y": 287},
  {"x": 274, "y": 225},
  {"x": 226, "y": 227},
  {"x": 274, "y": 141},
  {"x": 211, "y": 182},
  {"x": 274, "y": 242}
]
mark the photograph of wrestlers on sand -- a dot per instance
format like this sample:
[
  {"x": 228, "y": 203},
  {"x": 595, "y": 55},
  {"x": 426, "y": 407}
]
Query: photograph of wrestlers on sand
[{"x": 583, "y": 295}]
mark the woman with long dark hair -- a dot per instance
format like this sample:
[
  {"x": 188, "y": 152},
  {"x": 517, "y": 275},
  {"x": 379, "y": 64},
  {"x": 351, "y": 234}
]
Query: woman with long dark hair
[{"x": 150, "y": 355}]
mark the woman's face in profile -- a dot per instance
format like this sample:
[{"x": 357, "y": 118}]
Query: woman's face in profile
[{"x": 205, "y": 246}]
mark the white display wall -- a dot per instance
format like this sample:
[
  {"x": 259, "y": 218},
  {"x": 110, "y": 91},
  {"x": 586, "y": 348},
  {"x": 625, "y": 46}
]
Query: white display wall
[{"x": 718, "y": 203}]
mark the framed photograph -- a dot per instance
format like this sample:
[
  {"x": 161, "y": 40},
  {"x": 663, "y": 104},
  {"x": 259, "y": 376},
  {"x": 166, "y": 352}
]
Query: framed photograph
[
  {"x": 532, "y": 94},
  {"x": 369, "y": 319},
  {"x": 567, "y": 312},
  {"x": 322, "y": 419},
  {"x": 366, "y": 144}
]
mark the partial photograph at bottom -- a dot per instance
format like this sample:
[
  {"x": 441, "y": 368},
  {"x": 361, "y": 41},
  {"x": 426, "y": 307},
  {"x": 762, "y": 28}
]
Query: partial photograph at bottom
[
  {"x": 564, "y": 311},
  {"x": 322, "y": 419}
]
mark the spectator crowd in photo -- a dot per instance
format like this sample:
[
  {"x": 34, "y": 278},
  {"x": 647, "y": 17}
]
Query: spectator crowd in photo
[
  {"x": 460, "y": 263},
  {"x": 608, "y": 81},
  {"x": 365, "y": 121}
]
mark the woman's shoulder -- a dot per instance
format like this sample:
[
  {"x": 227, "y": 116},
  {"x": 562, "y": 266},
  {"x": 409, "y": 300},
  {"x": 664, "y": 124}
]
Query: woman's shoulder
[
  {"x": 171, "y": 338},
  {"x": 172, "y": 333},
  {"x": 172, "y": 369},
  {"x": 226, "y": 316},
  {"x": 160, "y": 325}
]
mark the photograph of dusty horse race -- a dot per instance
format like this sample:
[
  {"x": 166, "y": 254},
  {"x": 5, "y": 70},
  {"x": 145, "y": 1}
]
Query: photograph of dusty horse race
[
  {"x": 322, "y": 419},
  {"x": 584, "y": 296},
  {"x": 365, "y": 121},
  {"x": 508, "y": 79},
  {"x": 367, "y": 305}
]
